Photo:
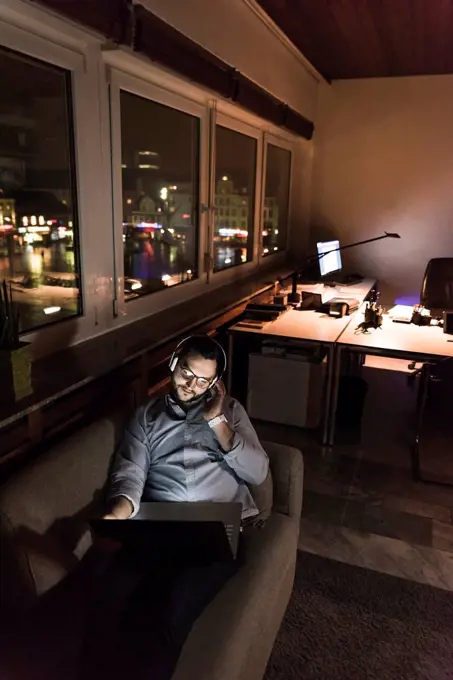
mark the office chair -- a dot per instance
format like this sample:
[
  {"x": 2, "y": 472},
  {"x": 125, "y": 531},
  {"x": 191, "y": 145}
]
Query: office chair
[
  {"x": 437, "y": 287},
  {"x": 432, "y": 459}
]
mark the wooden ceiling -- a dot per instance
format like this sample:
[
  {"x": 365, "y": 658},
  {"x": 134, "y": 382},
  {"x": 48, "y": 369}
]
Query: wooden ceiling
[{"x": 369, "y": 38}]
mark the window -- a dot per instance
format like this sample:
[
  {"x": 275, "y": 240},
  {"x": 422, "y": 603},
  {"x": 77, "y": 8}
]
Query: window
[
  {"x": 39, "y": 256},
  {"x": 278, "y": 172},
  {"x": 235, "y": 175},
  {"x": 160, "y": 181}
]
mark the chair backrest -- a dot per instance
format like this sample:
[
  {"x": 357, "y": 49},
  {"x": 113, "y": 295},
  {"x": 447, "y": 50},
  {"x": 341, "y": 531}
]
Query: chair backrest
[
  {"x": 44, "y": 508},
  {"x": 437, "y": 288}
]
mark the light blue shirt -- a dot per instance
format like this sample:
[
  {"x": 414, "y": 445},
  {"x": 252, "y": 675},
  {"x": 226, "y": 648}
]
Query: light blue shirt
[{"x": 169, "y": 454}]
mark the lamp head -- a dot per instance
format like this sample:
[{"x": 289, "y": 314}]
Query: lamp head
[{"x": 392, "y": 235}]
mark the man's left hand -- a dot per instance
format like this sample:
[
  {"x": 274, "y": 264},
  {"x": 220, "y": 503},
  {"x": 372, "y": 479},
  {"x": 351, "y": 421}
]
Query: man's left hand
[{"x": 214, "y": 407}]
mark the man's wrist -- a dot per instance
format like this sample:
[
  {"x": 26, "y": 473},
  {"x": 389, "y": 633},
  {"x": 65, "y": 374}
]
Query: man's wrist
[{"x": 216, "y": 420}]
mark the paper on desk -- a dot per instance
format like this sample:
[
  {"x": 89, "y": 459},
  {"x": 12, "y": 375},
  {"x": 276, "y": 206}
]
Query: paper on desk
[{"x": 401, "y": 312}]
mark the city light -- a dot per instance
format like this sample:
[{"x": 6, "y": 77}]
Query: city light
[
  {"x": 51, "y": 310},
  {"x": 148, "y": 225},
  {"x": 165, "y": 277},
  {"x": 276, "y": 248},
  {"x": 25, "y": 221},
  {"x": 41, "y": 220},
  {"x": 243, "y": 258},
  {"x": 228, "y": 260},
  {"x": 136, "y": 285},
  {"x": 129, "y": 201},
  {"x": 146, "y": 166},
  {"x": 228, "y": 231},
  {"x": 225, "y": 178},
  {"x": 171, "y": 230},
  {"x": 275, "y": 231},
  {"x": 33, "y": 220},
  {"x": 174, "y": 188},
  {"x": 164, "y": 193},
  {"x": 189, "y": 271},
  {"x": 266, "y": 250}
]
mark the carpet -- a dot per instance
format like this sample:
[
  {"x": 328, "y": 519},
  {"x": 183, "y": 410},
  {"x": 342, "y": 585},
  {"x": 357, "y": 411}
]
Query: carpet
[{"x": 349, "y": 623}]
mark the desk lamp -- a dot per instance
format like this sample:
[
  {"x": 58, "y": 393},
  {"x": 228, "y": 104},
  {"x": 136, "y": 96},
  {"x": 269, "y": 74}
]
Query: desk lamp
[{"x": 294, "y": 296}]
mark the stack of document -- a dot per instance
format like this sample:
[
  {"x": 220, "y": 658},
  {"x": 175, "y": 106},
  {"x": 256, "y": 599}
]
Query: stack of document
[{"x": 401, "y": 313}]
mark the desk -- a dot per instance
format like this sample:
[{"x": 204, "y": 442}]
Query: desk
[
  {"x": 306, "y": 327},
  {"x": 393, "y": 340}
]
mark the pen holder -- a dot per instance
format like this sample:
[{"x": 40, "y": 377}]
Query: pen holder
[{"x": 373, "y": 317}]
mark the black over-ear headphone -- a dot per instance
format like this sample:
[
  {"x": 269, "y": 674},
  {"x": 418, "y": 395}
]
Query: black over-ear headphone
[{"x": 181, "y": 346}]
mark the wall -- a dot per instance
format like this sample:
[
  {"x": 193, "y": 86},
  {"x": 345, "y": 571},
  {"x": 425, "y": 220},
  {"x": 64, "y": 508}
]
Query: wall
[
  {"x": 233, "y": 31},
  {"x": 384, "y": 161}
]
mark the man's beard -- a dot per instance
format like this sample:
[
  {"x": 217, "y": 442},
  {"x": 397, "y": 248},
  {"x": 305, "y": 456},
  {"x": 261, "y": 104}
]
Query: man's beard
[{"x": 184, "y": 403}]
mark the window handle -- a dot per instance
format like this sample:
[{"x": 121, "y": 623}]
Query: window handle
[{"x": 208, "y": 263}]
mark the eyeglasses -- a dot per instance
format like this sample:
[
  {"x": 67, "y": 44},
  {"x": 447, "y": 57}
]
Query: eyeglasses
[{"x": 187, "y": 374}]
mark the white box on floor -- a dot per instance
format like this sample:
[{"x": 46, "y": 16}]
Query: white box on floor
[{"x": 285, "y": 390}]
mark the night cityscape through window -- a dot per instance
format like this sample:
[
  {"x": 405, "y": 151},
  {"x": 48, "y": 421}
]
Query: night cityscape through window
[
  {"x": 160, "y": 170},
  {"x": 38, "y": 225},
  {"x": 235, "y": 176},
  {"x": 276, "y": 199}
]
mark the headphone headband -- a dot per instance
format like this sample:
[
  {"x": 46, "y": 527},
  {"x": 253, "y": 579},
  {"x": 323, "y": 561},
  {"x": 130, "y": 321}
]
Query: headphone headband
[{"x": 180, "y": 347}]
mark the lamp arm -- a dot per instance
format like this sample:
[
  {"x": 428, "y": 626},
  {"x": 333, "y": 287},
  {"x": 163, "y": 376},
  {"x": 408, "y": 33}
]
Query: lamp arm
[{"x": 315, "y": 258}]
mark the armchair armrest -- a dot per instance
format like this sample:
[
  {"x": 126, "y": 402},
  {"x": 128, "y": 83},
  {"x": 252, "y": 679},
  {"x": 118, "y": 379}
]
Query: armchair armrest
[{"x": 287, "y": 467}]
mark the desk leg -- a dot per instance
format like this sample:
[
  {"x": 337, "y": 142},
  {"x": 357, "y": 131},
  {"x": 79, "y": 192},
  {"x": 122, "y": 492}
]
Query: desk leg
[
  {"x": 328, "y": 397},
  {"x": 229, "y": 376},
  {"x": 336, "y": 372}
]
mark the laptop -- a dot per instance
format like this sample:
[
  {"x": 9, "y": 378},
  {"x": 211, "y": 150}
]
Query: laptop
[{"x": 197, "y": 532}]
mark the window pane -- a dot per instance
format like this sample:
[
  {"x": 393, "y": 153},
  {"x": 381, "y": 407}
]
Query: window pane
[
  {"x": 160, "y": 169},
  {"x": 276, "y": 199},
  {"x": 38, "y": 212},
  {"x": 235, "y": 187}
]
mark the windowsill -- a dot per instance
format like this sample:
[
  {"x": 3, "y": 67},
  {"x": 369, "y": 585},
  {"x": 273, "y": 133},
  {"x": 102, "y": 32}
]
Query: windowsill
[{"x": 62, "y": 373}]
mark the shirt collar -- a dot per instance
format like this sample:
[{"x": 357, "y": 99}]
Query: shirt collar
[{"x": 192, "y": 411}]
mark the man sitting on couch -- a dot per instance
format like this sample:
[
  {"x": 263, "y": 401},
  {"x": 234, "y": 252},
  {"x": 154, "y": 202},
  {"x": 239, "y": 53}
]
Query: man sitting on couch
[{"x": 194, "y": 444}]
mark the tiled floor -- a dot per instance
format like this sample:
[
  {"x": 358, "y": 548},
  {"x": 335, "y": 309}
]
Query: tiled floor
[{"x": 360, "y": 503}]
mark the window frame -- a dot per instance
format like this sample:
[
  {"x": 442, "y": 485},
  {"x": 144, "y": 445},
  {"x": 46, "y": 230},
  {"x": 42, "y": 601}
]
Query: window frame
[
  {"x": 161, "y": 300},
  {"x": 228, "y": 121},
  {"x": 77, "y": 58},
  {"x": 282, "y": 143}
]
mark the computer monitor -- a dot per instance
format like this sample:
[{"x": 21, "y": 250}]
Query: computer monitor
[{"x": 330, "y": 263}]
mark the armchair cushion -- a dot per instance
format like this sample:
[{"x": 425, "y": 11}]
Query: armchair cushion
[
  {"x": 287, "y": 468},
  {"x": 263, "y": 495}
]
